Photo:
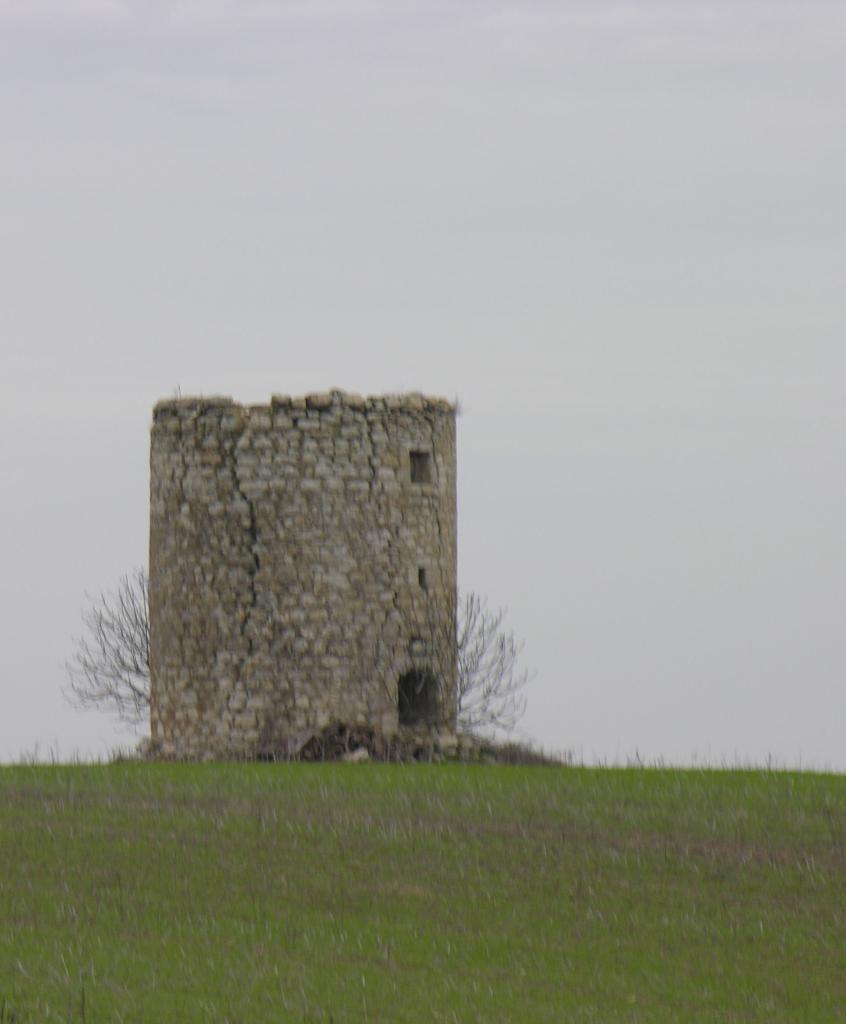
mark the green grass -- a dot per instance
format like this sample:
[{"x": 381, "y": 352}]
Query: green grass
[{"x": 248, "y": 893}]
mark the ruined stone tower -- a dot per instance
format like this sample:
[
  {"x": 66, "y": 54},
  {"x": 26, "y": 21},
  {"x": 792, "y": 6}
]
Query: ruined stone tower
[{"x": 302, "y": 570}]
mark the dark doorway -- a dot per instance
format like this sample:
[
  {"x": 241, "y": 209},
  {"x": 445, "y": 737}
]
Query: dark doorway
[{"x": 418, "y": 698}]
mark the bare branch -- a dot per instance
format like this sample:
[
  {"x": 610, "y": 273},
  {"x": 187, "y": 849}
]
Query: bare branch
[
  {"x": 110, "y": 669},
  {"x": 490, "y": 682}
]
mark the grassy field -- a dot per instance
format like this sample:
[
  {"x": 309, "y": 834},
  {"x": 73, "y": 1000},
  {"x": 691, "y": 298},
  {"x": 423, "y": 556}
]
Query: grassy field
[{"x": 249, "y": 893}]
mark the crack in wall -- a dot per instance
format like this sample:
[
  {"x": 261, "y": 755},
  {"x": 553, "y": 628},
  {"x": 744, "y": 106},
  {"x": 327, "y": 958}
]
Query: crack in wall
[
  {"x": 371, "y": 456},
  {"x": 254, "y": 562}
]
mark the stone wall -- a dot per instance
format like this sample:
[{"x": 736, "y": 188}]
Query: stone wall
[{"x": 302, "y": 569}]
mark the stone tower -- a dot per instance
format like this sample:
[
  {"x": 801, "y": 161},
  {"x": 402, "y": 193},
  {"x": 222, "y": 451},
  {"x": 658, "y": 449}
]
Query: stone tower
[{"x": 302, "y": 570}]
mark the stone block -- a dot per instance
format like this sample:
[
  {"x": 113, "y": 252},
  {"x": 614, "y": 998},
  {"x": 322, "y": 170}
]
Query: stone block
[{"x": 319, "y": 400}]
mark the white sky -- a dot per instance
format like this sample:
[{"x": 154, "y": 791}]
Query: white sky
[{"x": 615, "y": 230}]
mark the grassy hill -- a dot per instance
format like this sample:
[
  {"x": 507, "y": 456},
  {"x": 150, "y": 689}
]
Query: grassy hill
[{"x": 249, "y": 893}]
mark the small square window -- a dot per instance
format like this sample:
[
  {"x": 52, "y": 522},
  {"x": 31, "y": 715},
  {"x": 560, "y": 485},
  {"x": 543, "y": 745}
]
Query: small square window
[{"x": 421, "y": 467}]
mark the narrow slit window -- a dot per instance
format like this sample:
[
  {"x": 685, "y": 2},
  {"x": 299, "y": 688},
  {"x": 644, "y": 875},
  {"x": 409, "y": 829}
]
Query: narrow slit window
[
  {"x": 421, "y": 467},
  {"x": 421, "y": 578}
]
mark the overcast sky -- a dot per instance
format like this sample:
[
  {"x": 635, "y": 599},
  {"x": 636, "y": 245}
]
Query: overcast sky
[{"x": 614, "y": 230}]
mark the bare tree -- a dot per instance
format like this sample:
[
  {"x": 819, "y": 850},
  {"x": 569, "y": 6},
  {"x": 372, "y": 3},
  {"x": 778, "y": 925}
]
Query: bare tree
[
  {"x": 491, "y": 683},
  {"x": 110, "y": 669}
]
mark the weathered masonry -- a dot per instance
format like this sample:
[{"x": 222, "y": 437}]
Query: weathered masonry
[{"x": 302, "y": 570}]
